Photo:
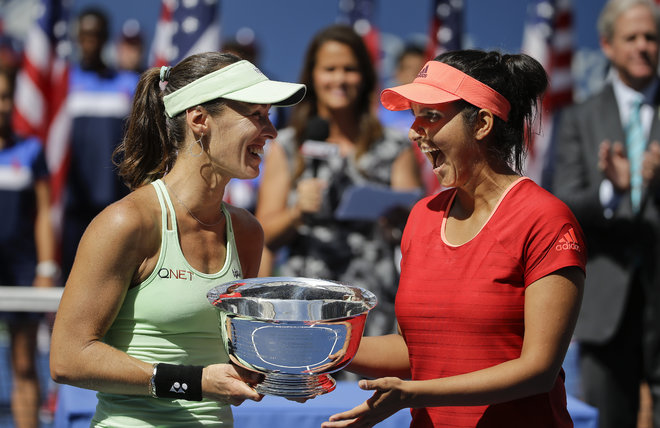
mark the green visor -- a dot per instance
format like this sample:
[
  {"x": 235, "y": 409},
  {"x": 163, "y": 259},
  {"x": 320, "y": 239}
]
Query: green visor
[{"x": 240, "y": 81}]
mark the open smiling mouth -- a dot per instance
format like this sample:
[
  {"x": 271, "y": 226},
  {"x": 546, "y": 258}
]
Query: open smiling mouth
[
  {"x": 256, "y": 150},
  {"x": 434, "y": 155}
]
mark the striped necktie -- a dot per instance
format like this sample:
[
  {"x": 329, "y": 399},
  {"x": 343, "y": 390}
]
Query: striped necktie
[{"x": 635, "y": 147}]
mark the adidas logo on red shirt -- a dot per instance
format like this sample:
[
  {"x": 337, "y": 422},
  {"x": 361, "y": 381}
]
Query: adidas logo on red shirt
[{"x": 568, "y": 242}]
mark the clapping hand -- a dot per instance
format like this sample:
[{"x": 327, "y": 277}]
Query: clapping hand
[{"x": 614, "y": 164}]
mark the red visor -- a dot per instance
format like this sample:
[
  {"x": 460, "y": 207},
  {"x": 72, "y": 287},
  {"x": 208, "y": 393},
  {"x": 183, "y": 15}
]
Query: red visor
[{"x": 439, "y": 83}]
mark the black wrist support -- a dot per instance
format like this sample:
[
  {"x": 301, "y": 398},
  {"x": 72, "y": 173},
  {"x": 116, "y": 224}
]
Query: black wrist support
[{"x": 178, "y": 382}]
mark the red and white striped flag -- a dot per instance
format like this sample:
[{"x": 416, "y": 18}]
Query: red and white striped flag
[
  {"x": 548, "y": 37},
  {"x": 185, "y": 28},
  {"x": 41, "y": 91},
  {"x": 446, "y": 29}
]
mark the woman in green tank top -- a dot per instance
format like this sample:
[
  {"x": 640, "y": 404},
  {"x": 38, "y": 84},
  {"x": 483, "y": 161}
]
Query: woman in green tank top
[{"x": 134, "y": 323}]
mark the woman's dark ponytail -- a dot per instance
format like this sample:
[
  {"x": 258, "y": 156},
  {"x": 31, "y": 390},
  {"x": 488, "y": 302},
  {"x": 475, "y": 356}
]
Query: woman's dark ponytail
[
  {"x": 145, "y": 153},
  {"x": 521, "y": 80}
]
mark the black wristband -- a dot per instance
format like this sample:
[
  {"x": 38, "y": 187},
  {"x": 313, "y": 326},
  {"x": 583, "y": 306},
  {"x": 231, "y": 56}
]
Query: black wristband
[{"x": 179, "y": 382}]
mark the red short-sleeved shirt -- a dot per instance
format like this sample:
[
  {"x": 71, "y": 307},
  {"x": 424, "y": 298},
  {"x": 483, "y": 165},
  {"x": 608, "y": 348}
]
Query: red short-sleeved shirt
[{"x": 461, "y": 308}]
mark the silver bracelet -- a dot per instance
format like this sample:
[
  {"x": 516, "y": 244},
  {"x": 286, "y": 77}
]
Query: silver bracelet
[{"x": 152, "y": 382}]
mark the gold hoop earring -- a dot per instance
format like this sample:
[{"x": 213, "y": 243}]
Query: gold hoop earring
[{"x": 201, "y": 147}]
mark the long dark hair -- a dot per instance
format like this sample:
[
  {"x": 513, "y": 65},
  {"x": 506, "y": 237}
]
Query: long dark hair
[
  {"x": 152, "y": 139},
  {"x": 370, "y": 129},
  {"x": 521, "y": 80}
]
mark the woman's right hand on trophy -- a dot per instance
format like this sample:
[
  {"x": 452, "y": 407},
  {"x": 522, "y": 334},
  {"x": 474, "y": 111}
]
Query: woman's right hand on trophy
[{"x": 230, "y": 384}]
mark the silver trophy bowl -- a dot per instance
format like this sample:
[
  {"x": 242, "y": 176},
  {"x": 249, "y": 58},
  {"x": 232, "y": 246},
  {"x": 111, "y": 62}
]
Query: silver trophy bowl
[{"x": 295, "y": 331}]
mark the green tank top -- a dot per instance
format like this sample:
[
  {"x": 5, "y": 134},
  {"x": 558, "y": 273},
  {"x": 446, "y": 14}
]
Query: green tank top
[{"x": 167, "y": 318}]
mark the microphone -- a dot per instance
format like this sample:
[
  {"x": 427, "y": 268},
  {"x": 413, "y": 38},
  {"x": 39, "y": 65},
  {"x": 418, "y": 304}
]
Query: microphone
[
  {"x": 314, "y": 146},
  {"x": 315, "y": 149}
]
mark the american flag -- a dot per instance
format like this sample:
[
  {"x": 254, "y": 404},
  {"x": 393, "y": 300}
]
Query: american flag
[
  {"x": 361, "y": 14},
  {"x": 41, "y": 89},
  {"x": 548, "y": 37},
  {"x": 446, "y": 30},
  {"x": 185, "y": 28}
]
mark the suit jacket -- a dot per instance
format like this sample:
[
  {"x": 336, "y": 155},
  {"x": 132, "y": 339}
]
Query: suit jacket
[{"x": 618, "y": 247}]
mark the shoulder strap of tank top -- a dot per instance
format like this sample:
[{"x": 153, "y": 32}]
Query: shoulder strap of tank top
[
  {"x": 163, "y": 210},
  {"x": 164, "y": 196},
  {"x": 232, "y": 250}
]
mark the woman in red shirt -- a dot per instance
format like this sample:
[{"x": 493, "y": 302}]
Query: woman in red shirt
[{"x": 493, "y": 267}]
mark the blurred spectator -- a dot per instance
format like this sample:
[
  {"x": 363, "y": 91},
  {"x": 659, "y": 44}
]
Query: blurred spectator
[
  {"x": 27, "y": 248},
  {"x": 608, "y": 172},
  {"x": 99, "y": 101},
  {"x": 9, "y": 51},
  {"x": 244, "y": 45},
  {"x": 299, "y": 193},
  {"x": 130, "y": 47},
  {"x": 408, "y": 63}
]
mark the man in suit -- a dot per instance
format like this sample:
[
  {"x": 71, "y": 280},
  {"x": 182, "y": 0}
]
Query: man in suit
[{"x": 611, "y": 184}]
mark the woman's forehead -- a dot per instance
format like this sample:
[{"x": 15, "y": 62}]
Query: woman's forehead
[
  {"x": 416, "y": 107},
  {"x": 243, "y": 107}
]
